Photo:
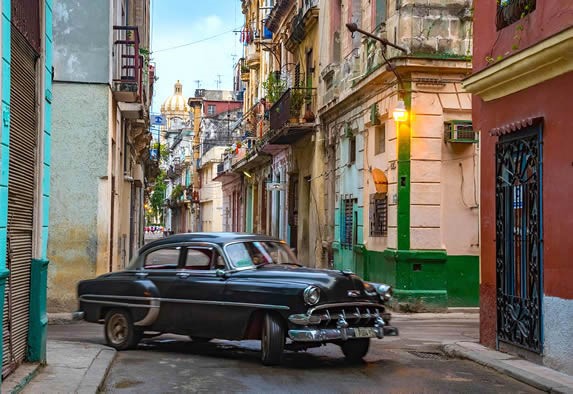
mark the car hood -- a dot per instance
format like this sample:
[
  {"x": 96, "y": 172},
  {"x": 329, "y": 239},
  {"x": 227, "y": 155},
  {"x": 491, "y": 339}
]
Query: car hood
[{"x": 335, "y": 285}]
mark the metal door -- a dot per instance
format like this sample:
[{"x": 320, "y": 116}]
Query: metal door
[
  {"x": 21, "y": 192},
  {"x": 519, "y": 239}
]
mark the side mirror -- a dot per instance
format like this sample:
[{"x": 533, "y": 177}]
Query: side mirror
[{"x": 221, "y": 273}]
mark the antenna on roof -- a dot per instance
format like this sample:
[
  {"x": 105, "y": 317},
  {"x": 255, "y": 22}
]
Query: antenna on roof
[{"x": 198, "y": 81}]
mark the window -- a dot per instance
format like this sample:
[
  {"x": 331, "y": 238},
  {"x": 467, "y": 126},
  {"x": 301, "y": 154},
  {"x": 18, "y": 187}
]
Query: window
[
  {"x": 352, "y": 150},
  {"x": 211, "y": 109},
  {"x": 378, "y": 215},
  {"x": 380, "y": 12},
  {"x": 198, "y": 259},
  {"x": 380, "y": 139},
  {"x": 166, "y": 258},
  {"x": 347, "y": 222}
]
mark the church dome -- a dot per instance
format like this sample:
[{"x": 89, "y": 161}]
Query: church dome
[{"x": 175, "y": 103}]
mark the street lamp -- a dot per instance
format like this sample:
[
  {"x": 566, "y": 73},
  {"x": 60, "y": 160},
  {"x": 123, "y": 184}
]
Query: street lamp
[{"x": 400, "y": 114}]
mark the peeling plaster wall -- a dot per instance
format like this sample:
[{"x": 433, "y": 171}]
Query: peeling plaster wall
[
  {"x": 558, "y": 333},
  {"x": 82, "y": 41},
  {"x": 79, "y": 161}
]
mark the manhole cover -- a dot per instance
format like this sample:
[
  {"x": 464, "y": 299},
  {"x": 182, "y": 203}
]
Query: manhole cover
[{"x": 429, "y": 355}]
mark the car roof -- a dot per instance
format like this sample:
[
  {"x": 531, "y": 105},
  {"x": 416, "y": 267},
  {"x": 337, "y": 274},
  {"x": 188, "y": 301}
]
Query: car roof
[{"x": 220, "y": 238}]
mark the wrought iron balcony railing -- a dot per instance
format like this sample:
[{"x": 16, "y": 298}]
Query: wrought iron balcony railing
[
  {"x": 127, "y": 64},
  {"x": 296, "y": 105}
]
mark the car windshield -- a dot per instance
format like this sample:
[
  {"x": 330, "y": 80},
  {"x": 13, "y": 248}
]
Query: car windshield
[{"x": 258, "y": 253}]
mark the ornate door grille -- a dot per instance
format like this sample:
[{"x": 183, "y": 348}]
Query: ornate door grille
[{"x": 518, "y": 239}]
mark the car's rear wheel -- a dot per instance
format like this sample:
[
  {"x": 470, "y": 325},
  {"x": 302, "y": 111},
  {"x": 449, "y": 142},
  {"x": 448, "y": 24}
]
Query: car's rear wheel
[
  {"x": 120, "y": 333},
  {"x": 355, "y": 349},
  {"x": 272, "y": 340}
]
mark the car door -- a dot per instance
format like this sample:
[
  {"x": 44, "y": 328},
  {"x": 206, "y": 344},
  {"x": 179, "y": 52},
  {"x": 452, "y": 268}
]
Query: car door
[
  {"x": 200, "y": 290},
  {"x": 160, "y": 266}
]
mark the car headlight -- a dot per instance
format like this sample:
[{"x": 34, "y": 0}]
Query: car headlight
[
  {"x": 385, "y": 292},
  {"x": 311, "y": 295}
]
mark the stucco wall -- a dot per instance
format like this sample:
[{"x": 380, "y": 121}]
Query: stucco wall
[
  {"x": 82, "y": 41},
  {"x": 558, "y": 332},
  {"x": 79, "y": 160}
]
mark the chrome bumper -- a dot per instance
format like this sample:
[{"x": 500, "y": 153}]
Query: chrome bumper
[{"x": 330, "y": 334}]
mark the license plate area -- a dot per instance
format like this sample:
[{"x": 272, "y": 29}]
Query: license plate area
[{"x": 364, "y": 332}]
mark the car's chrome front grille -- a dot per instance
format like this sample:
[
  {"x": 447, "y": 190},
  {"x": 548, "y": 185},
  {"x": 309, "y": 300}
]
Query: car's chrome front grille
[{"x": 354, "y": 315}]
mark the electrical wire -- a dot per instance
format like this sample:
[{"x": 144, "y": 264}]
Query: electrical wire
[{"x": 195, "y": 42}]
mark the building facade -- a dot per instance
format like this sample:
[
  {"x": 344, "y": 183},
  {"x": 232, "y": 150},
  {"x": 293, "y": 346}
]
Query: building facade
[
  {"x": 324, "y": 165},
  {"x": 25, "y": 167},
  {"x": 102, "y": 93},
  {"x": 522, "y": 74},
  {"x": 402, "y": 193}
]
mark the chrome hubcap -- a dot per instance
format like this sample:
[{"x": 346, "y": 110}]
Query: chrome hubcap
[{"x": 117, "y": 329}]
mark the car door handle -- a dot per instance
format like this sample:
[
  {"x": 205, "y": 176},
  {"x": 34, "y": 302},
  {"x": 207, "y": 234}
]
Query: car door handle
[
  {"x": 183, "y": 275},
  {"x": 141, "y": 275}
]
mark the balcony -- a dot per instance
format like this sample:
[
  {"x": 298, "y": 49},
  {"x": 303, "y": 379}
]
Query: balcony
[
  {"x": 293, "y": 116},
  {"x": 305, "y": 20},
  {"x": 127, "y": 65},
  {"x": 244, "y": 70},
  {"x": 253, "y": 55},
  {"x": 278, "y": 12}
]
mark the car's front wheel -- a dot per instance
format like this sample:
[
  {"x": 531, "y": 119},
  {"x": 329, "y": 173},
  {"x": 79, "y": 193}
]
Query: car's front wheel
[
  {"x": 355, "y": 349},
  {"x": 272, "y": 340},
  {"x": 120, "y": 333}
]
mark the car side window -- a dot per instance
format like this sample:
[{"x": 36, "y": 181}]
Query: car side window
[
  {"x": 165, "y": 258},
  {"x": 198, "y": 259}
]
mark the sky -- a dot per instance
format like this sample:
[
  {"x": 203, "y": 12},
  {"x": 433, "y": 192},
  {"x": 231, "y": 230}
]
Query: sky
[{"x": 180, "y": 22}]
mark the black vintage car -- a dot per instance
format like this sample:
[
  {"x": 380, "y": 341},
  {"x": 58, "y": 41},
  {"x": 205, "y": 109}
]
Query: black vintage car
[{"x": 236, "y": 286}]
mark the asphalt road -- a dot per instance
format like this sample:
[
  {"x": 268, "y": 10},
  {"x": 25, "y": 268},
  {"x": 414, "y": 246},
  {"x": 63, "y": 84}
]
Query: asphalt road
[{"x": 411, "y": 363}]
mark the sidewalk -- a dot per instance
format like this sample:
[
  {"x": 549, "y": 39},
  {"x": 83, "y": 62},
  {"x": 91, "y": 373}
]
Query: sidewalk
[
  {"x": 73, "y": 367},
  {"x": 535, "y": 375}
]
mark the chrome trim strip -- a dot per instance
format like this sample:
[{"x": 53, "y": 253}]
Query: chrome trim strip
[
  {"x": 152, "y": 314},
  {"x": 346, "y": 304},
  {"x": 114, "y": 303},
  {"x": 177, "y": 300},
  {"x": 225, "y": 303}
]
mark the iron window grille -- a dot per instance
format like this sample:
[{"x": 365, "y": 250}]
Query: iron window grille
[
  {"x": 378, "y": 215},
  {"x": 347, "y": 223}
]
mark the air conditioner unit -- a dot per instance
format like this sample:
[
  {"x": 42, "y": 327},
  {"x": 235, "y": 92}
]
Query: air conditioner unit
[{"x": 461, "y": 131}]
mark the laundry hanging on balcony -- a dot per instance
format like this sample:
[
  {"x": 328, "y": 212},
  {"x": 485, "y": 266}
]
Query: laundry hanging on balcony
[{"x": 247, "y": 35}]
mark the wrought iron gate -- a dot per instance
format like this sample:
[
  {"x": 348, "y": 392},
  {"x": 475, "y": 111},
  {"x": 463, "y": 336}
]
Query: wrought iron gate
[{"x": 519, "y": 238}]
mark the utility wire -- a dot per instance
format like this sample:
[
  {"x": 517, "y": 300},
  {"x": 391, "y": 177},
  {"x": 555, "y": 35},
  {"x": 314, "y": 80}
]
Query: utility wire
[{"x": 196, "y": 42}]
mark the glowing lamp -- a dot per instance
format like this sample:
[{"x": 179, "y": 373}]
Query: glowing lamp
[{"x": 400, "y": 114}]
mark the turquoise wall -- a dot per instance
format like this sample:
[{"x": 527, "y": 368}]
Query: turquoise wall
[
  {"x": 38, "y": 317},
  {"x": 350, "y": 185},
  {"x": 4, "y": 150}
]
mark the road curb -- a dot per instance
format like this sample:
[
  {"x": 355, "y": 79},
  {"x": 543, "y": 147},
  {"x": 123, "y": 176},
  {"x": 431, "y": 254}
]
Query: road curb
[
  {"x": 94, "y": 377},
  {"x": 64, "y": 318},
  {"x": 16, "y": 382},
  {"x": 537, "y": 376}
]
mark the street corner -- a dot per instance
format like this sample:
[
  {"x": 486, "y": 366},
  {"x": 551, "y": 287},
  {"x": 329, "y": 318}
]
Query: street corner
[
  {"x": 535, "y": 375},
  {"x": 85, "y": 372}
]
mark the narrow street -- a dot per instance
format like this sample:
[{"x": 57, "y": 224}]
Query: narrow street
[{"x": 411, "y": 363}]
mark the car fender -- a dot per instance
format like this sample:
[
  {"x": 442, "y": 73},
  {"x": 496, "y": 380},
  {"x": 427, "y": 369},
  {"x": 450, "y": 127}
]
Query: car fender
[{"x": 140, "y": 297}]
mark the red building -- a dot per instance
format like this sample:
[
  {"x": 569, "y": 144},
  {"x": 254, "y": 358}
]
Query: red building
[{"x": 522, "y": 83}]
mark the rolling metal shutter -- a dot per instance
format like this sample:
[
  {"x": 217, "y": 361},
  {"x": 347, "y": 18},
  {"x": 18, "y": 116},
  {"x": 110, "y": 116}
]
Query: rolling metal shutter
[{"x": 21, "y": 192}]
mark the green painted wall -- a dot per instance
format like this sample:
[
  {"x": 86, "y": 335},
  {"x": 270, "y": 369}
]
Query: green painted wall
[
  {"x": 462, "y": 276},
  {"x": 428, "y": 279}
]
